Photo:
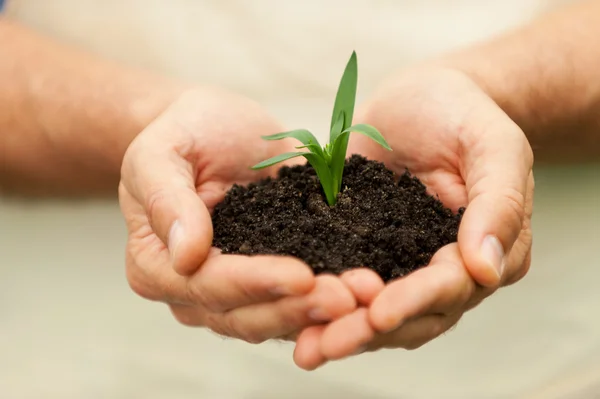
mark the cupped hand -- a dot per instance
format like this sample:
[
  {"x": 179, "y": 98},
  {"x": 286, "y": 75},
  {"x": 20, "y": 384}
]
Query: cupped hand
[
  {"x": 173, "y": 175},
  {"x": 466, "y": 150}
]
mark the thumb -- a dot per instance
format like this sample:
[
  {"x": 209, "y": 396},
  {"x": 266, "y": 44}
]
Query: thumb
[
  {"x": 162, "y": 181},
  {"x": 497, "y": 166}
]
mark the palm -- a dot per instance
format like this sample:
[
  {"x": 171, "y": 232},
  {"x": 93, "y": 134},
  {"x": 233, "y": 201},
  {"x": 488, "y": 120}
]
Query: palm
[
  {"x": 434, "y": 130},
  {"x": 211, "y": 151},
  {"x": 449, "y": 133},
  {"x": 427, "y": 131}
]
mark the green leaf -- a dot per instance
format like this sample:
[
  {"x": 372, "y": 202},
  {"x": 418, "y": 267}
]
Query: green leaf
[
  {"x": 318, "y": 163},
  {"x": 337, "y": 129},
  {"x": 302, "y": 135},
  {"x": 338, "y": 159},
  {"x": 324, "y": 175},
  {"x": 279, "y": 158},
  {"x": 314, "y": 148},
  {"x": 371, "y": 132},
  {"x": 346, "y": 96}
]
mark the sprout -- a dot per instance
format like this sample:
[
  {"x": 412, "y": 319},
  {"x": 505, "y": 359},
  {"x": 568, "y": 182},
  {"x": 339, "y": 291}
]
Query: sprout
[{"x": 329, "y": 161}]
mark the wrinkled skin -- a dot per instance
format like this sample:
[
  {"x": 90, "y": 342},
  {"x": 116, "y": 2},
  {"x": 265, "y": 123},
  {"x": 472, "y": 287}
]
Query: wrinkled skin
[
  {"x": 173, "y": 175},
  {"x": 450, "y": 134},
  {"x": 441, "y": 126}
]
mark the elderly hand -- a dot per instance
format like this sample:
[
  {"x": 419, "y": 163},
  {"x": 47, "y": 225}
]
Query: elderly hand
[
  {"x": 173, "y": 175},
  {"x": 450, "y": 134}
]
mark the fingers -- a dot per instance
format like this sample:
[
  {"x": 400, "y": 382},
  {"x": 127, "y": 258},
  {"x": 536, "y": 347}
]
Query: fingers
[
  {"x": 364, "y": 283},
  {"x": 352, "y": 335},
  {"x": 415, "y": 333},
  {"x": 337, "y": 344},
  {"x": 260, "y": 322},
  {"x": 346, "y": 336},
  {"x": 182, "y": 222},
  {"x": 159, "y": 176},
  {"x": 442, "y": 287},
  {"x": 519, "y": 259},
  {"x": 328, "y": 301},
  {"x": 307, "y": 355},
  {"x": 227, "y": 282},
  {"x": 224, "y": 282},
  {"x": 497, "y": 166},
  {"x": 347, "y": 333}
]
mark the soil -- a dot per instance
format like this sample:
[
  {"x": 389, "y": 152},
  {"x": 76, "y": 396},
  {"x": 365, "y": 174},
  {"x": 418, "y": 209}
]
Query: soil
[{"x": 382, "y": 221}]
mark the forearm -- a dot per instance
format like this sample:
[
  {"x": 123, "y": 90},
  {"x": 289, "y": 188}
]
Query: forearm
[
  {"x": 546, "y": 76},
  {"x": 66, "y": 118}
]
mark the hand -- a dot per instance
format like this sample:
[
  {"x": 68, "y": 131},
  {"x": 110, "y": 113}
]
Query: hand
[
  {"x": 173, "y": 175},
  {"x": 450, "y": 134}
]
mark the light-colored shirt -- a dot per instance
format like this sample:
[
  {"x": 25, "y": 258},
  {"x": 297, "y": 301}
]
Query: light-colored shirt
[{"x": 273, "y": 49}]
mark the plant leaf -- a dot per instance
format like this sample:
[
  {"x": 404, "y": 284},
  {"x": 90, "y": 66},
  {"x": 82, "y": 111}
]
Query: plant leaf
[
  {"x": 324, "y": 175},
  {"x": 314, "y": 148},
  {"x": 338, "y": 159},
  {"x": 346, "y": 96},
  {"x": 371, "y": 132},
  {"x": 302, "y": 135},
  {"x": 337, "y": 129},
  {"x": 279, "y": 158}
]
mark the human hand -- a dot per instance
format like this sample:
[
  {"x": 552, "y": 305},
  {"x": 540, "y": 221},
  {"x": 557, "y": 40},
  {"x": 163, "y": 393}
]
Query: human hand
[
  {"x": 173, "y": 175},
  {"x": 465, "y": 149}
]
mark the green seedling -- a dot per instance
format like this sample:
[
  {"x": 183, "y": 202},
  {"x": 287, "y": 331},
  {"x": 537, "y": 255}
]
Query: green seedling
[{"x": 329, "y": 161}]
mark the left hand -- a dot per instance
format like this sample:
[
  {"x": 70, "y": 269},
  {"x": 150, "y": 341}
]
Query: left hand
[{"x": 450, "y": 134}]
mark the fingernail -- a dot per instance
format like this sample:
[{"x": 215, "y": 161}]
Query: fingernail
[
  {"x": 318, "y": 314},
  {"x": 175, "y": 237},
  {"x": 493, "y": 253}
]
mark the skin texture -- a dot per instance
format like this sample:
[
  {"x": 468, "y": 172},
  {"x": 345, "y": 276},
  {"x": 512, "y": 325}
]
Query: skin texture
[
  {"x": 460, "y": 134},
  {"x": 66, "y": 117},
  {"x": 66, "y": 121},
  {"x": 174, "y": 173},
  {"x": 545, "y": 76},
  {"x": 461, "y": 123}
]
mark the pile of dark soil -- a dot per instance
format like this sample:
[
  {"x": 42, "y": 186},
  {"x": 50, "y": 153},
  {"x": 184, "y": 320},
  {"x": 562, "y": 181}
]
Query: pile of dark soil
[{"x": 385, "y": 222}]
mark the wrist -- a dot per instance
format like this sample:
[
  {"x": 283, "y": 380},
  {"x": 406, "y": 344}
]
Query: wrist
[
  {"x": 545, "y": 77},
  {"x": 67, "y": 117},
  {"x": 91, "y": 129}
]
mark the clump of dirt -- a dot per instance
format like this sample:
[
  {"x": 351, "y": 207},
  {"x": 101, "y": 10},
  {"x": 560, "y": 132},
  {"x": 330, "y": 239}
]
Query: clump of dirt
[{"x": 381, "y": 221}]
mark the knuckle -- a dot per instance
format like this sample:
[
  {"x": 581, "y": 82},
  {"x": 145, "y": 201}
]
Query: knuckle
[
  {"x": 457, "y": 286},
  {"x": 198, "y": 294},
  {"x": 478, "y": 296},
  {"x": 138, "y": 282},
  {"x": 255, "y": 339},
  {"x": 438, "y": 327},
  {"x": 235, "y": 328},
  {"x": 240, "y": 285},
  {"x": 187, "y": 316},
  {"x": 527, "y": 151},
  {"x": 455, "y": 274},
  {"x": 214, "y": 322},
  {"x": 153, "y": 203},
  {"x": 431, "y": 329},
  {"x": 515, "y": 202},
  {"x": 521, "y": 272}
]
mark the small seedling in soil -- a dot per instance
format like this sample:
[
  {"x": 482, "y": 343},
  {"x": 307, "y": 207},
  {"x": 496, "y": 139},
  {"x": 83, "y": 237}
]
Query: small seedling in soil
[
  {"x": 379, "y": 220},
  {"x": 328, "y": 162}
]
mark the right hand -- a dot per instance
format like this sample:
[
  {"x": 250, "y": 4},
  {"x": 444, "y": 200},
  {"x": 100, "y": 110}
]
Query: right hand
[{"x": 173, "y": 175}]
